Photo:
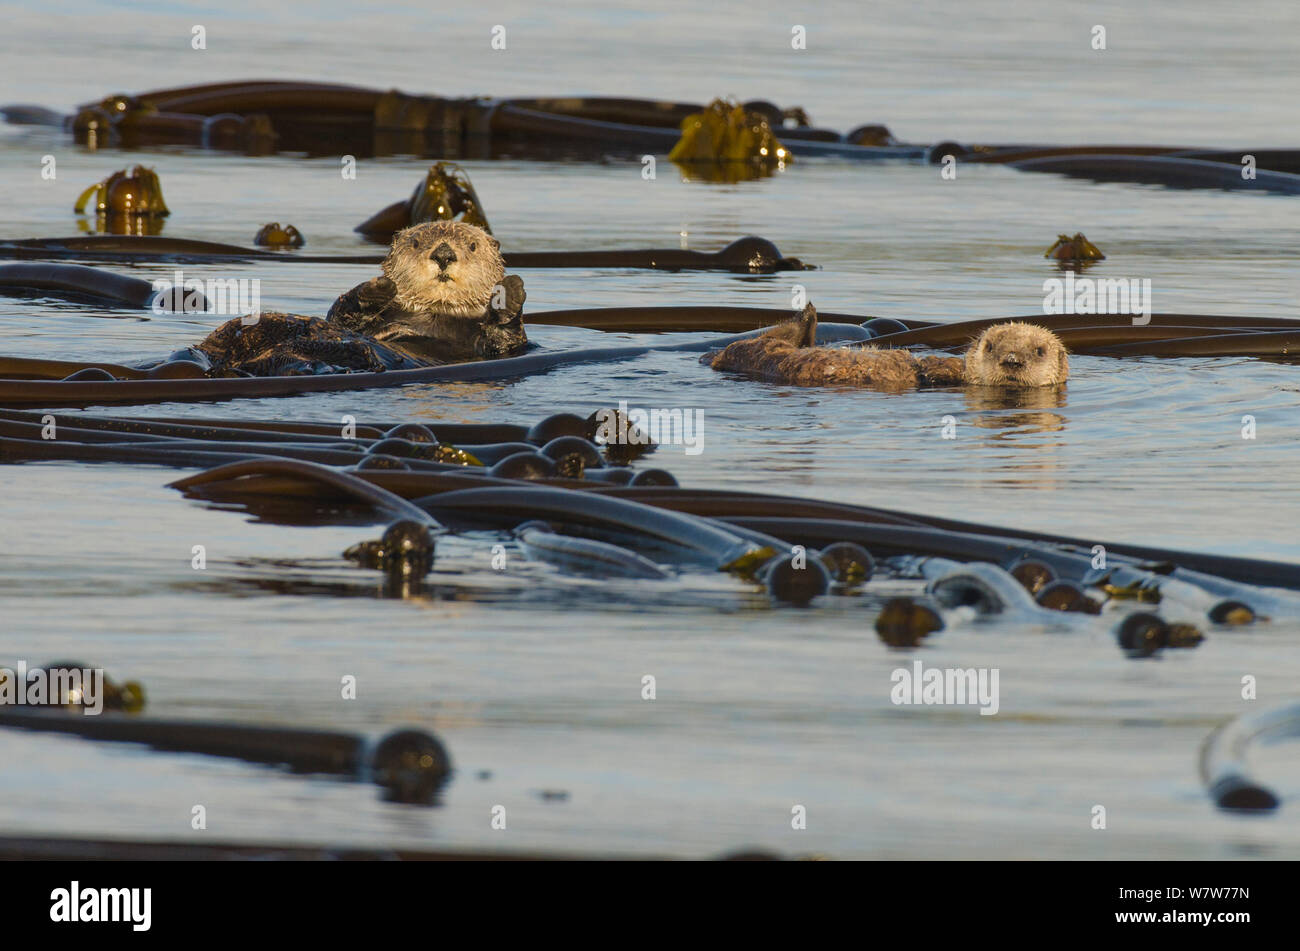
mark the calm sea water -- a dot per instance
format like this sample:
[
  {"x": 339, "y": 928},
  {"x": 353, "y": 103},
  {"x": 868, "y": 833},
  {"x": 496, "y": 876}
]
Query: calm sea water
[{"x": 533, "y": 679}]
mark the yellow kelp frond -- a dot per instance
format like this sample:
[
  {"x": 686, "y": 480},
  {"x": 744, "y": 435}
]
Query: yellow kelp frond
[
  {"x": 446, "y": 194},
  {"x": 727, "y": 143},
  {"x": 1077, "y": 248}
]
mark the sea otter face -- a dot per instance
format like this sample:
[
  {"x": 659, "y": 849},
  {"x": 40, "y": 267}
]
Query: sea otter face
[
  {"x": 1017, "y": 354},
  {"x": 445, "y": 267}
]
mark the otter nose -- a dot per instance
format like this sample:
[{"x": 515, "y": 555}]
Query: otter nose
[
  {"x": 1012, "y": 360},
  {"x": 443, "y": 254}
]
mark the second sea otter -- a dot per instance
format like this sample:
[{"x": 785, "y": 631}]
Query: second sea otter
[
  {"x": 1008, "y": 355},
  {"x": 444, "y": 297}
]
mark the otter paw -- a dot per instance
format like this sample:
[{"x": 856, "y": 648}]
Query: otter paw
[{"x": 513, "y": 286}]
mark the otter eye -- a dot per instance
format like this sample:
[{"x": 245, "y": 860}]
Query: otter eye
[
  {"x": 473, "y": 246},
  {"x": 1041, "y": 351}
]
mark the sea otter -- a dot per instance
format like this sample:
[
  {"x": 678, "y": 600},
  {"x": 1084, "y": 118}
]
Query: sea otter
[
  {"x": 444, "y": 297},
  {"x": 1007, "y": 355},
  {"x": 1016, "y": 355}
]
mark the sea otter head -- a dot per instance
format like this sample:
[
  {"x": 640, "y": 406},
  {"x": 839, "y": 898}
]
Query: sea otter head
[
  {"x": 445, "y": 267},
  {"x": 1016, "y": 354}
]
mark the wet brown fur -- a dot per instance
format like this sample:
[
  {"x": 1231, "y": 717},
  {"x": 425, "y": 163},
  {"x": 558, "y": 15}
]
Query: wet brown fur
[
  {"x": 437, "y": 302},
  {"x": 279, "y": 344},
  {"x": 788, "y": 354}
]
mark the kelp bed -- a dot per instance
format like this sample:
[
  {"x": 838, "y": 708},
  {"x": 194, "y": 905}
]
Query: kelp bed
[
  {"x": 590, "y": 507},
  {"x": 265, "y": 116},
  {"x": 38, "y": 382}
]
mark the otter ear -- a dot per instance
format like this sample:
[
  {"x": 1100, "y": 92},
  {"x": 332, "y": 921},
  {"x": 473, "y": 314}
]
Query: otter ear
[{"x": 495, "y": 243}]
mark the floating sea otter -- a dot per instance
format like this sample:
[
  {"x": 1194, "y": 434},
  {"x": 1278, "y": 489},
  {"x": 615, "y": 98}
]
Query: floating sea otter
[
  {"x": 443, "y": 297},
  {"x": 1010, "y": 355}
]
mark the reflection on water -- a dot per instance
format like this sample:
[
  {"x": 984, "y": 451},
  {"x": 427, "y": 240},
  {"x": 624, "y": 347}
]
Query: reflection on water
[
  {"x": 998, "y": 411},
  {"x": 535, "y": 677},
  {"x": 995, "y": 398},
  {"x": 121, "y": 224},
  {"x": 1004, "y": 427}
]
